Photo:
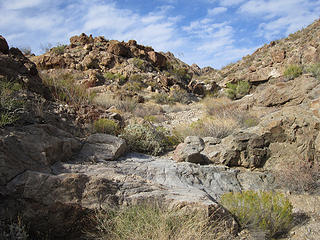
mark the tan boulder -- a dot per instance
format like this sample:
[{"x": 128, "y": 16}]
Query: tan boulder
[{"x": 158, "y": 59}]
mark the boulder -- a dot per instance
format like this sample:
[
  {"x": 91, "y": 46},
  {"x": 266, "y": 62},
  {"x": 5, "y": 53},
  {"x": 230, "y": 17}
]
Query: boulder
[
  {"x": 102, "y": 147},
  {"x": 35, "y": 148},
  {"x": 118, "y": 49},
  {"x": 190, "y": 151},
  {"x": 158, "y": 59},
  {"x": 4, "y": 48},
  {"x": 82, "y": 39}
]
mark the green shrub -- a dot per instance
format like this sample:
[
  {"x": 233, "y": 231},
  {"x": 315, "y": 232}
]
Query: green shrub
[
  {"x": 115, "y": 76},
  {"x": 292, "y": 71},
  {"x": 146, "y": 138},
  {"x": 182, "y": 74},
  {"x": 181, "y": 96},
  {"x": 59, "y": 49},
  {"x": 139, "y": 63},
  {"x": 314, "y": 69},
  {"x": 265, "y": 211},
  {"x": 9, "y": 102},
  {"x": 150, "y": 221},
  {"x": 162, "y": 98},
  {"x": 237, "y": 90},
  {"x": 108, "y": 126}
]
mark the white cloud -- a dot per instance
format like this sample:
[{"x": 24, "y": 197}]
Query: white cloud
[
  {"x": 20, "y": 4},
  {"x": 216, "y": 11},
  {"x": 278, "y": 17}
]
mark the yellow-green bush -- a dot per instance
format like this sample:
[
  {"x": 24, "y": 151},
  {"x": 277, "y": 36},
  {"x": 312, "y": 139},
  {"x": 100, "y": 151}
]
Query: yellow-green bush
[
  {"x": 59, "y": 49},
  {"x": 153, "y": 222},
  {"x": 238, "y": 90},
  {"x": 292, "y": 71},
  {"x": 139, "y": 63},
  {"x": 115, "y": 76},
  {"x": 314, "y": 69},
  {"x": 8, "y": 102},
  {"x": 146, "y": 138},
  {"x": 265, "y": 211},
  {"x": 108, "y": 126}
]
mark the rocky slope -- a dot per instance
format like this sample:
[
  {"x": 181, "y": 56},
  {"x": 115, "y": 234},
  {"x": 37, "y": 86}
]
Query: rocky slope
[{"x": 56, "y": 173}]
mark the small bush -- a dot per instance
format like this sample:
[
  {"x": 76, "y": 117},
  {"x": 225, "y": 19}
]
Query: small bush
[
  {"x": 125, "y": 105},
  {"x": 150, "y": 221},
  {"x": 115, "y": 76},
  {"x": 162, "y": 98},
  {"x": 292, "y": 71},
  {"x": 139, "y": 63},
  {"x": 180, "y": 96},
  {"x": 237, "y": 90},
  {"x": 108, "y": 126},
  {"x": 146, "y": 138},
  {"x": 265, "y": 211},
  {"x": 59, "y": 50},
  {"x": 9, "y": 103},
  {"x": 63, "y": 88},
  {"x": 314, "y": 69}
]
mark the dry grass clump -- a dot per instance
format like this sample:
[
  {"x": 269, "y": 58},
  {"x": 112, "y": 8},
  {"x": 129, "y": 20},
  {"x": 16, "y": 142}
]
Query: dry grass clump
[
  {"x": 64, "y": 88},
  {"x": 152, "y": 222},
  {"x": 108, "y": 100},
  {"x": 224, "y": 117},
  {"x": 300, "y": 176}
]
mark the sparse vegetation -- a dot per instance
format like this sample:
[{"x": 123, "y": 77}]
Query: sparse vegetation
[
  {"x": 139, "y": 63},
  {"x": 269, "y": 212},
  {"x": 150, "y": 221},
  {"x": 108, "y": 126},
  {"x": 302, "y": 176},
  {"x": 64, "y": 88},
  {"x": 115, "y": 76},
  {"x": 175, "y": 96},
  {"x": 293, "y": 71},
  {"x": 124, "y": 105},
  {"x": 59, "y": 49},
  {"x": 237, "y": 90},
  {"x": 314, "y": 69},
  {"x": 9, "y": 103},
  {"x": 147, "y": 138}
]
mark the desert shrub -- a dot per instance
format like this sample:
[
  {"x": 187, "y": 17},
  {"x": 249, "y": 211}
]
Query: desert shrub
[
  {"x": 180, "y": 96},
  {"x": 206, "y": 127},
  {"x": 265, "y": 211},
  {"x": 292, "y": 71},
  {"x": 139, "y": 63},
  {"x": 302, "y": 176},
  {"x": 151, "y": 221},
  {"x": 59, "y": 49},
  {"x": 147, "y": 138},
  {"x": 145, "y": 110},
  {"x": 9, "y": 103},
  {"x": 124, "y": 105},
  {"x": 162, "y": 98},
  {"x": 182, "y": 74},
  {"x": 314, "y": 69},
  {"x": 237, "y": 90},
  {"x": 63, "y": 88},
  {"x": 115, "y": 76},
  {"x": 108, "y": 126}
]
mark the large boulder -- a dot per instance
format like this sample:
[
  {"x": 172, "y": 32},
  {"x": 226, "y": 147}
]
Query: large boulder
[
  {"x": 118, "y": 49},
  {"x": 158, "y": 59},
  {"x": 4, "y": 48},
  {"x": 35, "y": 148},
  {"x": 190, "y": 151},
  {"x": 103, "y": 147}
]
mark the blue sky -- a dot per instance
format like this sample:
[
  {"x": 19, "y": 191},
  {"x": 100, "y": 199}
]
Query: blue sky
[{"x": 206, "y": 32}]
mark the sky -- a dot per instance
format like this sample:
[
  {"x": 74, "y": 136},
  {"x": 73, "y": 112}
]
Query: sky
[{"x": 206, "y": 32}]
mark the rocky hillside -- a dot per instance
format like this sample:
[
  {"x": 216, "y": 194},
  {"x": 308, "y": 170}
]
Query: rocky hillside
[
  {"x": 110, "y": 65},
  {"x": 86, "y": 134},
  {"x": 271, "y": 60}
]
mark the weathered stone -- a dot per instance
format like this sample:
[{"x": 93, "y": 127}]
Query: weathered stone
[
  {"x": 103, "y": 147},
  {"x": 4, "y": 48},
  {"x": 158, "y": 59},
  {"x": 118, "y": 49}
]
